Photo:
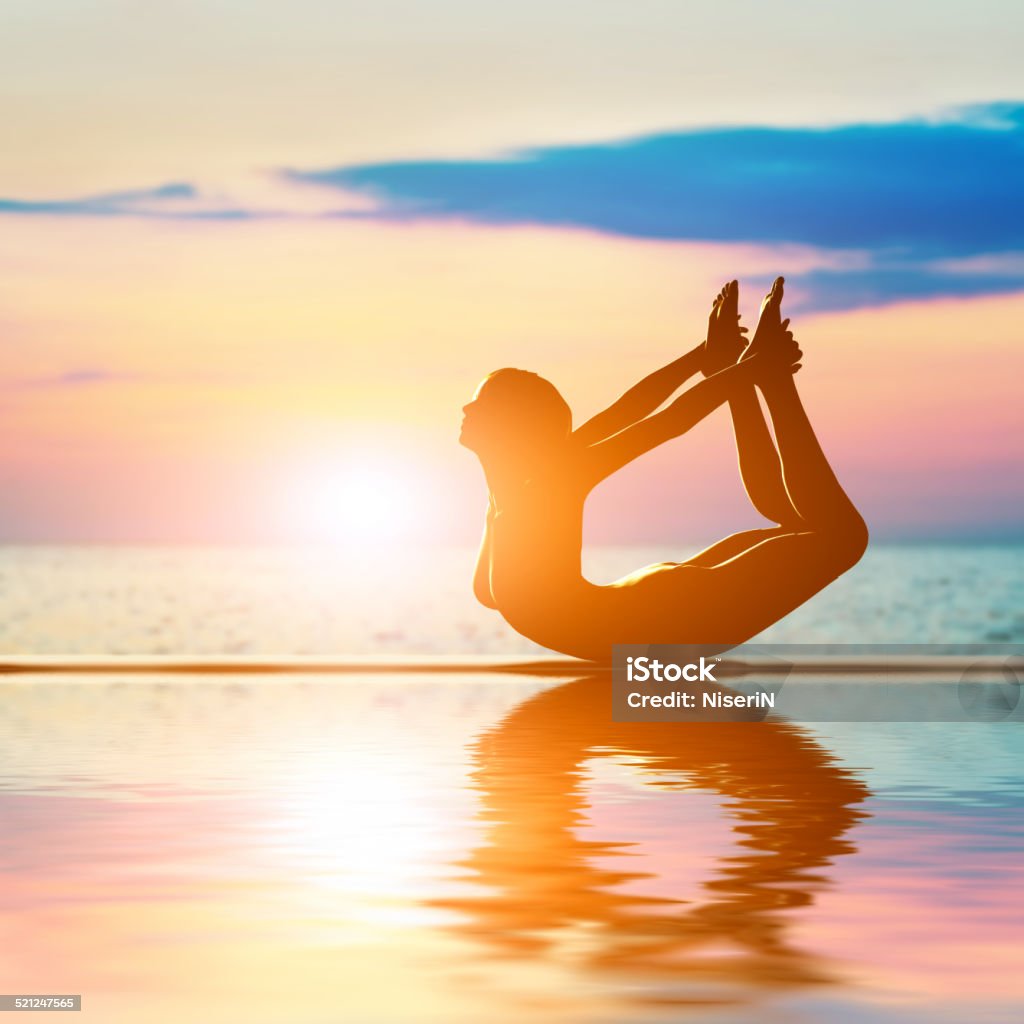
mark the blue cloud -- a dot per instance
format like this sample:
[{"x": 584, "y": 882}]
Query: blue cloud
[
  {"x": 835, "y": 290},
  {"x": 133, "y": 203},
  {"x": 908, "y": 194},
  {"x": 910, "y": 198}
]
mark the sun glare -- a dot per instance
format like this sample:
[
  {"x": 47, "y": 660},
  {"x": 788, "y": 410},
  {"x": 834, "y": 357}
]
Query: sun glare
[
  {"x": 341, "y": 822},
  {"x": 355, "y": 503}
]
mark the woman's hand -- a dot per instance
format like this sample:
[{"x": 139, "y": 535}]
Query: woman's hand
[
  {"x": 785, "y": 354},
  {"x": 779, "y": 354}
]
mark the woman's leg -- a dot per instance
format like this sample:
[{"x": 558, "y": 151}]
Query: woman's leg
[
  {"x": 743, "y": 596},
  {"x": 767, "y": 580},
  {"x": 731, "y": 546},
  {"x": 760, "y": 468},
  {"x": 752, "y": 579},
  {"x": 811, "y": 486},
  {"x": 759, "y": 462},
  {"x": 810, "y": 482},
  {"x": 749, "y": 581}
]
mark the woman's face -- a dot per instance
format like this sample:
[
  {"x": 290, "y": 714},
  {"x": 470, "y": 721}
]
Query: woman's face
[{"x": 478, "y": 418}]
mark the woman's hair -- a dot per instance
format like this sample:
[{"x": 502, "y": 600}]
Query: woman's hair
[{"x": 536, "y": 403}]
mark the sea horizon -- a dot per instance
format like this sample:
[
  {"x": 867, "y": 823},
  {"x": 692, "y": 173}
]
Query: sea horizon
[{"x": 281, "y": 601}]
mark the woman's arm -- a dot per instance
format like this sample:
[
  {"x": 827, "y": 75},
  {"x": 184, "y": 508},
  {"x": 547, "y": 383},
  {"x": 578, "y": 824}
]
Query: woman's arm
[
  {"x": 685, "y": 412},
  {"x": 641, "y": 399},
  {"x": 482, "y": 575}
]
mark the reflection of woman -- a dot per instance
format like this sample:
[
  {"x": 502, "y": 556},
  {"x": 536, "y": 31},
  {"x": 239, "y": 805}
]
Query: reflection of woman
[
  {"x": 790, "y": 803},
  {"x": 539, "y": 473}
]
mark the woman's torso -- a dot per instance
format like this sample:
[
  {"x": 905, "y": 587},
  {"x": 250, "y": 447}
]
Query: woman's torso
[{"x": 536, "y": 542}]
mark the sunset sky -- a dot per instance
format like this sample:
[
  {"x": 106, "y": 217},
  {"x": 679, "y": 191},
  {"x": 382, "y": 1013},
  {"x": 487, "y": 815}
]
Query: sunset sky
[{"x": 255, "y": 257}]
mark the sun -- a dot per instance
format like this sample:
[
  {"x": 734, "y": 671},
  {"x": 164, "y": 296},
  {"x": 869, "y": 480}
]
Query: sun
[{"x": 355, "y": 502}]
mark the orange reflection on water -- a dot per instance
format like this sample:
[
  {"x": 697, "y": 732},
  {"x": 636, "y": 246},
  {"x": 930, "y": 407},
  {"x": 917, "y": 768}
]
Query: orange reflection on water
[{"x": 789, "y": 808}]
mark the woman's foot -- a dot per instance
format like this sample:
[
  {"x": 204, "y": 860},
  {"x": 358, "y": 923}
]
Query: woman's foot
[
  {"x": 769, "y": 323},
  {"x": 773, "y": 337},
  {"x": 725, "y": 342}
]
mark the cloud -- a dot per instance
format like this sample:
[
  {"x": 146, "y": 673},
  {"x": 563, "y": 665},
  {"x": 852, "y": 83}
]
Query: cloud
[
  {"x": 832, "y": 290},
  {"x": 77, "y": 378},
  {"x": 905, "y": 210},
  {"x": 909, "y": 195},
  {"x": 82, "y": 377},
  {"x": 173, "y": 201}
]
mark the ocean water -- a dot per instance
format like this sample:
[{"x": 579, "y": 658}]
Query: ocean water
[
  {"x": 94, "y": 600},
  {"x": 449, "y": 849},
  {"x": 397, "y": 849}
]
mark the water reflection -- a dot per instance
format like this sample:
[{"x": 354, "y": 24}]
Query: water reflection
[
  {"x": 282, "y": 849},
  {"x": 544, "y": 886}
]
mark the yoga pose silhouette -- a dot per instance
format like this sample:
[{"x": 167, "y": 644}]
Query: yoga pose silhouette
[{"x": 539, "y": 472}]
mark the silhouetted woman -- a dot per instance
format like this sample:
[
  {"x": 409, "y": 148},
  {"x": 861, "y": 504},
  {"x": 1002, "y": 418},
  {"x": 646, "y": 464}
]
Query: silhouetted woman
[{"x": 539, "y": 472}]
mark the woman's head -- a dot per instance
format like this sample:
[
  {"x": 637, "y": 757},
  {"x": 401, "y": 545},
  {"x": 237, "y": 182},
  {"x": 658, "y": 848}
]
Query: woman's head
[{"x": 515, "y": 411}]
